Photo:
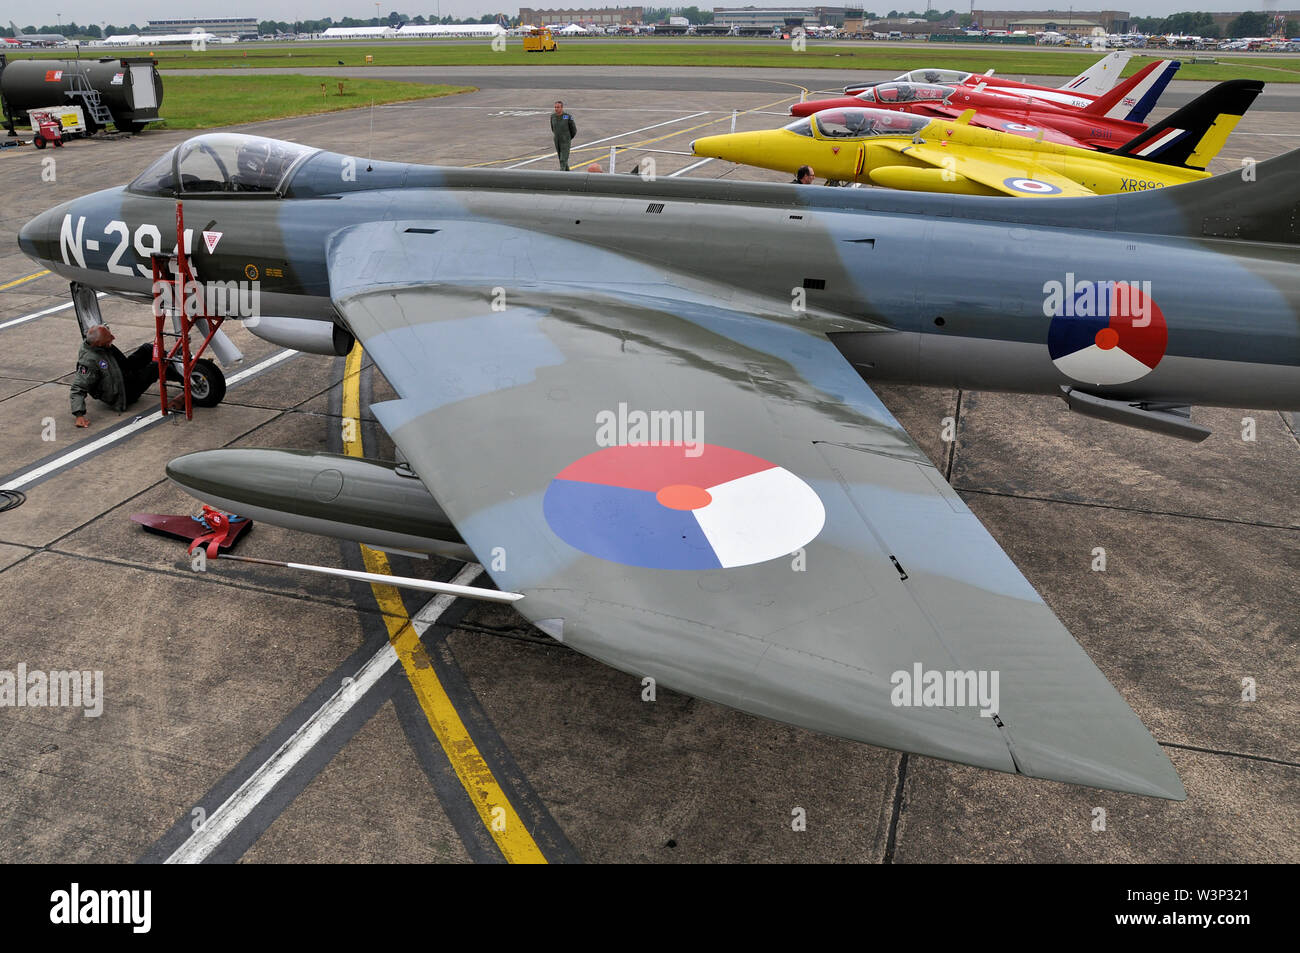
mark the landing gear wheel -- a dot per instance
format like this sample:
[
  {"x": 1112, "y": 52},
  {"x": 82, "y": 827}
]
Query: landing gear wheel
[{"x": 207, "y": 383}]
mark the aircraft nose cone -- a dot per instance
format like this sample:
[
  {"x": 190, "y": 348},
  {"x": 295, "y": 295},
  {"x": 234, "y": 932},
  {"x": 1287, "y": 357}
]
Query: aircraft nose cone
[{"x": 35, "y": 237}]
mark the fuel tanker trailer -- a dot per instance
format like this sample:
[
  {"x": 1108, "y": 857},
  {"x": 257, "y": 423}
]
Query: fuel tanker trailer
[{"x": 124, "y": 91}]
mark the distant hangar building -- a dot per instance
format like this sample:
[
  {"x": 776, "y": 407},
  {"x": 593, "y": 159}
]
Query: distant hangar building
[
  {"x": 218, "y": 26},
  {"x": 769, "y": 18},
  {"x": 1075, "y": 21},
  {"x": 605, "y": 16}
]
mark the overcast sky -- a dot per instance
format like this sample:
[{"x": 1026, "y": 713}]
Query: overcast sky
[{"x": 138, "y": 11}]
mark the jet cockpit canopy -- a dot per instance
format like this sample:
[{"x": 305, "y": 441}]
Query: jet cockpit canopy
[
  {"x": 223, "y": 163},
  {"x": 859, "y": 124}
]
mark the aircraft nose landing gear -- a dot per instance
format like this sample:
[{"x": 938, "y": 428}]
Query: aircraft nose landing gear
[
  {"x": 207, "y": 382},
  {"x": 201, "y": 381}
]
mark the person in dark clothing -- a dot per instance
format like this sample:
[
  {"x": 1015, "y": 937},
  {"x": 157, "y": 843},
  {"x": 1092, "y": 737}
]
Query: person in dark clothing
[
  {"x": 804, "y": 176},
  {"x": 563, "y": 130},
  {"x": 106, "y": 374}
]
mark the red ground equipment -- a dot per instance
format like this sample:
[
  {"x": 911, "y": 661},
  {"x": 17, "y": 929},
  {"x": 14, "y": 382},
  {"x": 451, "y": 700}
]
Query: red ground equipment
[
  {"x": 173, "y": 282},
  {"x": 212, "y": 529},
  {"x": 46, "y": 128}
]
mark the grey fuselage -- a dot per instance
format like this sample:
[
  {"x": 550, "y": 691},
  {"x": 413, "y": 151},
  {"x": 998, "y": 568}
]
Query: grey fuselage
[{"x": 938, "y": 290}]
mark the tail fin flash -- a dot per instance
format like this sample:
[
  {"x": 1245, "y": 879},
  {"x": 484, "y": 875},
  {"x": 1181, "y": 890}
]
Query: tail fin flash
[
  {"x": 1133, "y": 99},
  {"x": 1193, "y": 135},
  {"x": 1101, "y": 76}
]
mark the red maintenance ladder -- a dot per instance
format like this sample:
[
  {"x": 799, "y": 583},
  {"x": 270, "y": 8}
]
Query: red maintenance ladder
[{"x": 175, "y": 288}]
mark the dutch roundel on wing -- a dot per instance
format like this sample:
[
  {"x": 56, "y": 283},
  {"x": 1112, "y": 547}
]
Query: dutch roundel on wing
[{"x": 666, "y": 506}]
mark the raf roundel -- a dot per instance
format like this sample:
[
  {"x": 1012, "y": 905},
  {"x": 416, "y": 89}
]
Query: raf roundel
[
  {"x": 1031, "y": 186},
  {"x": 1107, "y": 333},
  {"x": 658, "y": 507}
]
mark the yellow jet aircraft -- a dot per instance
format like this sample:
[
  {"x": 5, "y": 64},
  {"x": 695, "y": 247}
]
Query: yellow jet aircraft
[{"x": 902, "y": 151}]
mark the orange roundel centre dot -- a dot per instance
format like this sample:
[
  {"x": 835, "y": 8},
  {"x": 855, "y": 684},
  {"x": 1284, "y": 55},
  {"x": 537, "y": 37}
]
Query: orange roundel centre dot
[
  {"x": 683, "y": 496},
  {"x": 1107, "y": 338}
]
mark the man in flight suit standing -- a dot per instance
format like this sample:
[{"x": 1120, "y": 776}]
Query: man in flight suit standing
[
  {"x": 563, "y": 129},
  {"x": 104, "y": 373}
]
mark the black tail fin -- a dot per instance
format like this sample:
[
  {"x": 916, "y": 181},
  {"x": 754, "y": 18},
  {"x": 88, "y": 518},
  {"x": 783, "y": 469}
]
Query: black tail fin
[{"x": 1193, "y": 135}]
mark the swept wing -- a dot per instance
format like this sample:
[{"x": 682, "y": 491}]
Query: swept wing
[{"x": 839, "y": 558}]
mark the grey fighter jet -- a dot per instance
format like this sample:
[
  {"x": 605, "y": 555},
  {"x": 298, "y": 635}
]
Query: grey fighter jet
[{"x": 645, "y": 405}]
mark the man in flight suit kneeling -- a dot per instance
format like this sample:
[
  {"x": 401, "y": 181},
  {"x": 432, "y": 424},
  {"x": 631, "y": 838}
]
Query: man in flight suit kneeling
[{"x": 106, "y": 374}]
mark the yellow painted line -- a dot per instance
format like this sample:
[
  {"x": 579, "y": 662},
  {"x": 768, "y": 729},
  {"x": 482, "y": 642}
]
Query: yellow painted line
[
  {"x": 604, "y": 148},
  {"x": 19, "y": 281},
  {"x": 498, "y": 814}
]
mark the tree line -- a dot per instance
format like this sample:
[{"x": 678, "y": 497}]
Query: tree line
[{"x": 1250, "y": 23}]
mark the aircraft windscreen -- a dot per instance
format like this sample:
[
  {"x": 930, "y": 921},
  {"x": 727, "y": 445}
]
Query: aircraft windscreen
[
  {"x": 910, "y": 93},
  {"x": 222, "y": 162},
  {"x": 934, "y": 76},
  {"x": 860, "y": 123},
  {"x": 159, "y": 178},
  {"x": 801, "y": 126}
]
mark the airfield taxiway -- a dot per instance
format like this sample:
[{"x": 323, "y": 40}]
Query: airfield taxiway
[{"x": 228, "y": 689}]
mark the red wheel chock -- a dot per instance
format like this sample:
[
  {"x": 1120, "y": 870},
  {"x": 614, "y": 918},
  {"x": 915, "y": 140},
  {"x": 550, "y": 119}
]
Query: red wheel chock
[{"x": 212, "y": 529}]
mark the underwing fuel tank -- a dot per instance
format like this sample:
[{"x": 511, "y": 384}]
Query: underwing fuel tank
[
  {"x": 909, "y": 179},
  {"x": 302, "y": 334},
  {"x": 375, "y": 502}
]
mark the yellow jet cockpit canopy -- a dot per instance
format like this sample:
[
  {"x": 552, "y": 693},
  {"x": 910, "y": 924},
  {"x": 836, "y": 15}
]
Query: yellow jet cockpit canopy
[
  {"x": 858, "y": 124},
  {"x": 934, "y": 76},
  {"x": 906, "y": 93},
  {"x": 223, "y": 163}
]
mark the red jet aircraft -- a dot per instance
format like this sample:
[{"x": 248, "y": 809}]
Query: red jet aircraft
[
  {"x": 1103, "y": 124},
  {"x": 1080, "y": 92}
]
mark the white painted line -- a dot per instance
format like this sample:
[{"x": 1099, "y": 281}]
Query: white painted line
[
  {"x": 40, "y": 314},
  {"x": 611, "y": 138},
  {"x": 75, "y": 454},
  {"x": 225, "y": 819},
  {"x": 696, "y": 165},
  {"x": 274, "y": 359},
  {"x": 17, "y": 483}
]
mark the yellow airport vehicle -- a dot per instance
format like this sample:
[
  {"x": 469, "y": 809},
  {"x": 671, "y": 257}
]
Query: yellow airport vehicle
[
  {"x": 539, "y": 41},
  {"x": 915, "y": 153}
]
